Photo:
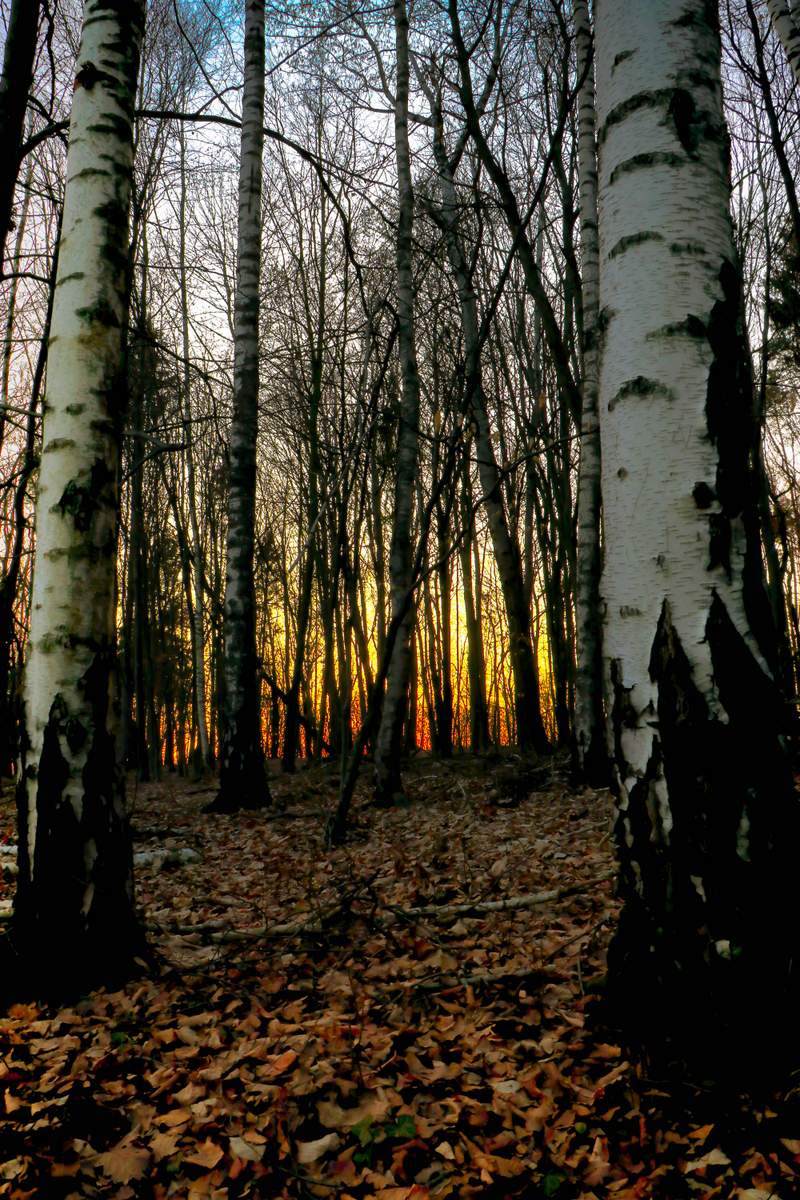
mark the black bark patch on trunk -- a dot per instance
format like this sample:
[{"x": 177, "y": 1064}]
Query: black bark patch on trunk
[
  {"x": 729, "y": 405},
  {"x": 733, "y": 427},
  {"x": 74, "y": 923},
  {"x": 703, "y": 957},
  {"x": 719, "y": 543},
  {"x": 683, "y": 113},
  {"x": 654, "y": 158},
  {"x": 690, "y": 326},
  {"x": 698, "y": 16},
  {"x": 696, "y": 249},
  {"x": 656, "y": 98},
  {"x": 621, "y": 58},
  {"x": 640, "y": 386},
  {"x": 89, "y": 76},
  {"x": 82, "y": 500},
  {"x": 703, "y": 495},
  {"x": 634, "y": 239}
]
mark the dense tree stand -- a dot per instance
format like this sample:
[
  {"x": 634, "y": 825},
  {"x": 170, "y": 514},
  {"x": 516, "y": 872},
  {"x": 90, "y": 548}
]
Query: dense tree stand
[{"x": 703, "y": 969}]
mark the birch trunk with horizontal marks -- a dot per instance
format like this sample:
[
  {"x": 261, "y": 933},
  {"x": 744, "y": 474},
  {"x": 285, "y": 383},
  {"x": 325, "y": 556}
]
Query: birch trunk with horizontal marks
[
  {"x": 591, "y": 758},
  {"x": 785, "y": 24},
  {"x": 390, "y": 735},
  {"x": 708, "y": 821},
  {"x": 243, "y": 779},
  {"x": 74, "y": 920}
]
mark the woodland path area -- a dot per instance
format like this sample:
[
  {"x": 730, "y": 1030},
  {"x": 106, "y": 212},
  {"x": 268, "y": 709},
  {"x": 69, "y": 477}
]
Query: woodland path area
[{"x": 360, "y": 1049}]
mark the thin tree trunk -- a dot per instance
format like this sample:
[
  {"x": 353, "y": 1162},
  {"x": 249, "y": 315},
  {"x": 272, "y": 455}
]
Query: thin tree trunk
[
  {"x": 590, "y": 752},
  {"x": 395, "y": 704},
  {"x": 445, "y": 714},
  {"x": 196, "y": 610},
  {"x": 476, "y": 664},
  {"x": 243, "y": 779},
  {"x": 140, "y": 378},
  {"x": 8, "y": 345},
  {"x": 292, "y": 725},
  {"x": 9, "y": 747},
  {"x": 708, "y": 821},
  {"x": 15, "y": 84},
  {"x": 74, "y": 921}
]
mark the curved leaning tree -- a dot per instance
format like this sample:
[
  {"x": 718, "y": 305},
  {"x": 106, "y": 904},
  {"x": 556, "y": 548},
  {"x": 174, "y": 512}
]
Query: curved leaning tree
[
  {"x": 74, "y": 919},
  {"x": 708, "y": 820}
]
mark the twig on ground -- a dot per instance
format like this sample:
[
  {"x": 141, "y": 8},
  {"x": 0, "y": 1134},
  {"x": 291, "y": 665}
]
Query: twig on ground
[{"x": 322, "y": 921}]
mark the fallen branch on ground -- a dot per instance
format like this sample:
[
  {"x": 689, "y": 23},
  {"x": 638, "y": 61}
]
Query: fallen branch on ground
[
  {"x": 478, "y": 907},
  {"x": 321, "y": 922}
]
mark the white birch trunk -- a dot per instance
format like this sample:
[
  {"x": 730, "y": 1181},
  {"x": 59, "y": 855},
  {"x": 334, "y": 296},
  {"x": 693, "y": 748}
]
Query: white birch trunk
[
  {"x": 590, "y": 752},
  {"x": 74, "y": 909},
  {"x": 784, "y": 22},
  {"x": 707, "y": 819},
  {"x": 243, "y": 780}
]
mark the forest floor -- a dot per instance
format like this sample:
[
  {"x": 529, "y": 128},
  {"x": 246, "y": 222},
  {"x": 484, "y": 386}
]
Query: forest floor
[{"x": 352, "y": 1047}]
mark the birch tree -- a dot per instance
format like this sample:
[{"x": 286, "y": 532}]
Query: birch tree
[
  {"x": 708, "y": 824},
  {"x": 243, "y": 780},
  {"x": 784, "y": 22},
  {"x": 591, "y": 759},
  {"x": 74, "y": 919}
]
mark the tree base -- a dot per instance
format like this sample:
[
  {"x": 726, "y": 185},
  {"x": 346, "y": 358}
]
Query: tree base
[
  {"x": 36, "y": 966},
  {"x": 728, "y": 1022},
  {"x": 243, "y": 782},
  {"x": 230, "y": 802},
  {"x": 388, "y": 788}
]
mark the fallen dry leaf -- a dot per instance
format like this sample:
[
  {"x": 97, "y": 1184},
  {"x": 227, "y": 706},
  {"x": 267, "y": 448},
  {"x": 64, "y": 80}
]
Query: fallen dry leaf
[
  {"x": 394, "y": 1059},
  {"x": 242, "y": 1149},
  {"x": 714, "y": 1158},
  {"x": 309, "y": 1152},
  {"x": 207, "y": 1155},
  {"x": 124, "y": 1163},
  {"x": 163, "y": 1145}
]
